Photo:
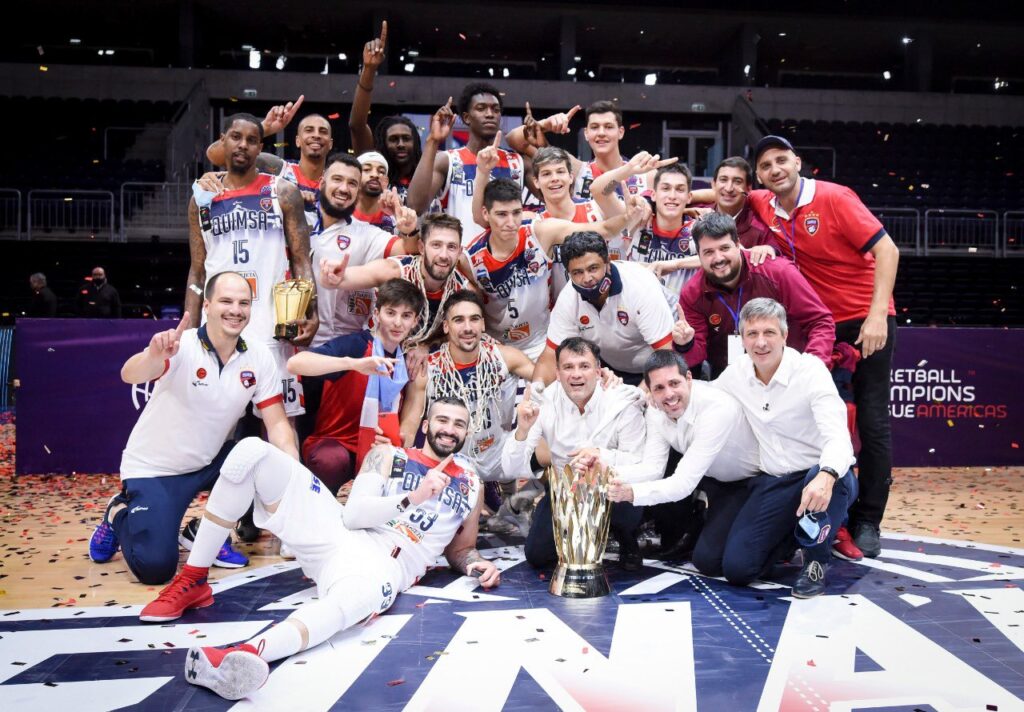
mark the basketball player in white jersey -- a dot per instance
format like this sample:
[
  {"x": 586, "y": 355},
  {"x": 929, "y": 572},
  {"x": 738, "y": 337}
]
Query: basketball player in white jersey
[
  {"x": 257, "y": 227},
  {"x": 406, "y": 508},
  {"x": 448, "y": 175}
]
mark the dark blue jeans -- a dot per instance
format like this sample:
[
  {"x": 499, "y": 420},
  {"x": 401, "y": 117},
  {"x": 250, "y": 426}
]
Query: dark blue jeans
[
  {"x": 147, "y": 529},
  {"x": 540, "y": 542},
  {"x": 756, "y": 522}
]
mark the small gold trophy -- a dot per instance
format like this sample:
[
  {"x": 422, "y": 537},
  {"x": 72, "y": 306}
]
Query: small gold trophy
[
  {"x": 580, "y": 514},
  {"x": 291, "y": 300}
]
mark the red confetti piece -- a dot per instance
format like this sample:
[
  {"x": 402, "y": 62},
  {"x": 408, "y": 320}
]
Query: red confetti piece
[
  {"x": 333, "y": 116},
  {"x": 393, "y": 683},
  {"x": 635, "y": 126},
  {"x": 391, "y": 84},
  {"x": 1015, "y": 446},
  {"x": 810, "y": 663},
  {"x": 586, "y": 650}
]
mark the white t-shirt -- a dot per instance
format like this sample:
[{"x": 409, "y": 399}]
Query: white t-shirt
[
  {"x": 195, "y": 406},
  {"x": 636, "y": 318},
  {"x": 342, "y": 311}
]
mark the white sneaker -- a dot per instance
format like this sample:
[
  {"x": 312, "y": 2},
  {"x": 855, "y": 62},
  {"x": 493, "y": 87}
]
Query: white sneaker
[
  {"x": 286, "y": 552},
  {"x": 233, "y": 673}
]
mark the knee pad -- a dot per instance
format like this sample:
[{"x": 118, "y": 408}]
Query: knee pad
[{"x": 242, "y": 459}]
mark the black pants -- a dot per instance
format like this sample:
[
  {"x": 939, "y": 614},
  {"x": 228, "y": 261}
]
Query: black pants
[
  {"x": 871, "y": 395},
  {"x": 540, "y": 542}
]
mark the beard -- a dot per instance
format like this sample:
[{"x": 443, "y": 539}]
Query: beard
[
  {"x": 372, "y": 192},
  {"x": 335, "y": 212},
  {"x": 723, "y": 281},
  {"x": 435, "y": 272},
  {"x": 440, "y": 450}
]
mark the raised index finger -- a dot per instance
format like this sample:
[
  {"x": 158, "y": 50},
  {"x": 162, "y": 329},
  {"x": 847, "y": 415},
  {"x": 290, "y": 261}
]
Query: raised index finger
[
  {"x": 445, "y": 462},
  {"x": 383, "y": 34},
  {"x": 572, "y": 112},
  {"x": 186, "y": 319},
  {"x": 497, "y": 139}
]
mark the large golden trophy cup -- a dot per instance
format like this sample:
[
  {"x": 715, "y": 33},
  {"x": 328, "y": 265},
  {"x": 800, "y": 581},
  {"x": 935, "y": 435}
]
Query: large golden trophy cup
[
  {"x": 580, "y": 515},
  {"x": 291, "y": 299}
]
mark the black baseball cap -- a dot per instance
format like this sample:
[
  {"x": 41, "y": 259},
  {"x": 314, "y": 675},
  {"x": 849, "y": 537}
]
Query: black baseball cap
[{"x": 770, "y": 142}]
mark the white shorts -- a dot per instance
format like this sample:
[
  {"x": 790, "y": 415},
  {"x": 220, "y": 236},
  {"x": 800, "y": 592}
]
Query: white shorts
[
  {"x": 291, "y": 385},
  {"x": 309, "y": 520}
]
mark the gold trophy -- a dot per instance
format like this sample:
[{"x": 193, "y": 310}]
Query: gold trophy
[
  {"x": 291, "y": 300},
  {"x": 580, "y": 515}
]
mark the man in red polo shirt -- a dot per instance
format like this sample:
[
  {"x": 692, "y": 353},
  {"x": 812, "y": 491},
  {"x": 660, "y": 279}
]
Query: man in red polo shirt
[
  {"x": 712, "y": 300},
  {"x": 850, "y": 260}
]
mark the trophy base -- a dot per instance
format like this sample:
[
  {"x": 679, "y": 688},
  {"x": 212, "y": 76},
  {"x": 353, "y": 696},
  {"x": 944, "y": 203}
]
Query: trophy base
[
  {"x": 286, "y": 332},
  {"x": 579, "y": 581}
]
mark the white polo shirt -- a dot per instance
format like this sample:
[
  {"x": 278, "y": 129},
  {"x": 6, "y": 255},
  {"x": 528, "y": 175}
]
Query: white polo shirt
[
  {"x": 341, "y": 311},
  {"x": 195, "y": 406},
  {"x": 714, "y": 438},
  {"x": 636, "y": 318},
  {"x": 798, "y": 417}
]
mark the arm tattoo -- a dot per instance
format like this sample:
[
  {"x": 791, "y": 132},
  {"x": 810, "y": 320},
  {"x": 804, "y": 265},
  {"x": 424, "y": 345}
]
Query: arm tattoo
[
  {"x": 269, "y": 163},
  {"x": 461, "y": 560},
  {"x": 374, "y": 460},
  {"x": 609, "y": 189}
]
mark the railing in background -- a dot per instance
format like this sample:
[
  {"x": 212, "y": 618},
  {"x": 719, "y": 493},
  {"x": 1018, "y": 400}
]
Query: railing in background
[
  {"x": 1013, "y": 233},
  {"x": 903, "y": 226},
  {"x": 190, "y": 134},
  {"x": 10, "y": 214},
  {"x": 151, "y": 210},
  {"x": 70, "y": 214},
  {"x": 6, "y": 340},
  {"x": 961, "y": 231}
]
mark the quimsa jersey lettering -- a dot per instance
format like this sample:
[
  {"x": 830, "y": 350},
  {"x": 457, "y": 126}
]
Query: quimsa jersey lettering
[
  {"x": 309, "y": 189},
  {"x": 457, "y": 195},
  {"x": 482, "y": 448},
  {"x": 590, "y": 171},
  {"x": 244, "y": 232},
  {"x": 649, "y": 244},
  {"x": 586, "y": 212},
  {"x": 423, "y": 531},
  {"x": 517, "y": 297}
]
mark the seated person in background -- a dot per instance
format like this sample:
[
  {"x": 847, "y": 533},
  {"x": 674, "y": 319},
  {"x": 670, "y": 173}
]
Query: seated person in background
[
  {"x": 584, "y": 425},
  {"x": 407, "y": 507},
  {"x": 359, "y": 368},
  {"x": 712, "y": 300},
  {"x": 205, "y": 379},
  {"x": 719, "y": 452},
  {"x": 799, "y": 421}
]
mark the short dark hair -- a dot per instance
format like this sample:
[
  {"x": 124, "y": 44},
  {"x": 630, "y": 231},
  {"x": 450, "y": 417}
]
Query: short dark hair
[
  {"x": 604, "y": 107},
  {"x": 550, "y": 154},
  {"x": 447, "y": 400},
  {"x": 316, "y": 116},
  {"x": 440, "y": 220},
  {"x": 664, "y": 358},
  {"x": 475, "y": 89},
  {"x": 579, "y": 346},
  {"x": 400, "y": 293},
  {"x": 736, "y": 162},
  {"x": 211, "y": 283},
  {"x": 343, "y": 157},
  {"x": 502, "y": 190},
  {"x": 679, "y": 168},
  {"x": 582, "y": 243},
  {"x": 714, "y": 225},
  {"x": 466, "y": 295},
  {"x": 242, "y": 116}
]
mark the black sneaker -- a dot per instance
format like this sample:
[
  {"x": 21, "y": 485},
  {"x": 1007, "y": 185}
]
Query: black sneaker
[
  {"x": 246, "y": 530},
  {"x": 866, "y": 537},
  {"x": 811, "y": 581},
  {"x": 228, "y": 557},
  {"x": 630, "y": 558}
]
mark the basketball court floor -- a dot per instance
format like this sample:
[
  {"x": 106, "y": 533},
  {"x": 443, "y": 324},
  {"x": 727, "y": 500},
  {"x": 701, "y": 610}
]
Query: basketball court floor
[{"x": 935, "y": 623}]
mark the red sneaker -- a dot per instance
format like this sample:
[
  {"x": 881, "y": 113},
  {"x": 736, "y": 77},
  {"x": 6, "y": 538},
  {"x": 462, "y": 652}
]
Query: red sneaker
[
  {"x": 233, "y": 673},
  {"x": 181, "y": 594},
  {"x": 844, "y": 547}
]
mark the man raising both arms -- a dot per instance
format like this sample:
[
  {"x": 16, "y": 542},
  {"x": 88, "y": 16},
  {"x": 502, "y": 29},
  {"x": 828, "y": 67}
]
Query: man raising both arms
[
  {"x": 406, "y": 508},
  {"x": 449, "y": 175}
]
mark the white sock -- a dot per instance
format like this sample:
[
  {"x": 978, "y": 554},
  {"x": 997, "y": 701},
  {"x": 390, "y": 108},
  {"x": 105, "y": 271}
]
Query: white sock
[
  {"x": 279, "y": 641},
  {"x": 209, "y": 540}
]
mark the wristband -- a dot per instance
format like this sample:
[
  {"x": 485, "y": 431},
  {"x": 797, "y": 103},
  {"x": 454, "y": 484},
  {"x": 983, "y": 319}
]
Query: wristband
[
  {"x": 830, "y": 471},
  {"x": 196, "y": 288}
]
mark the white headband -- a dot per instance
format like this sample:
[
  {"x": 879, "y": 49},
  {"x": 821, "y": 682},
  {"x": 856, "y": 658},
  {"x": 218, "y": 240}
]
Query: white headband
[{"x": 373, "y": 157}]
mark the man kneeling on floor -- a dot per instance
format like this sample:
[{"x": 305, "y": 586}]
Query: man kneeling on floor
[
  {"x": 407, "y": 506},
  {"x": 799, "y": 421}
]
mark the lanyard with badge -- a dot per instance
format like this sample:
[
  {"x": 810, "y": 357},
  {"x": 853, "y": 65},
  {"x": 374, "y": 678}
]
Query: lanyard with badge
[
  {"x": 733, "y": 341},
  {"x": 791, "y": 237}
]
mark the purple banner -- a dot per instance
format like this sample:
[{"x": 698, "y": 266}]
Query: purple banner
[
  {"x": 956, "y": 398},
  {"x": 73, "y": 412}
]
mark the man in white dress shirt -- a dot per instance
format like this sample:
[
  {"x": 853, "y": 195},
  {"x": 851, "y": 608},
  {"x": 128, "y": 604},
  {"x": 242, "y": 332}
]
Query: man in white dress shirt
[
  {"x": 719, "y": 453},
  {"x": 799, "y": 421},
  {"x": 584, "y": 425}
]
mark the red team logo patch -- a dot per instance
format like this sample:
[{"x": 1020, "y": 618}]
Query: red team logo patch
[
  {"x": 266, "y": 204},
  {"x": 248, "y": 378},
  {"x": 623, "y": 317},
  {"x": 715, "y": 319},
  {"x": 811, "y": 224},
  {"x": 200, "y": 373},
  {"x": 584, "y": 320},
  {"x": 343, "y": 242}
]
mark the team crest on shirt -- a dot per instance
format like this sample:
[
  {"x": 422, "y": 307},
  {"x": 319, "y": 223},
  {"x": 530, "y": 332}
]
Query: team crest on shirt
[
  {"x": 343, "y": 242},
  {"x": 361, "y": 306},
  {"x": 584, "y": 320},
  {"x": 265, "y": 190},
  {"x": 623, "y": 317},
  {"x": 266, "y": 204},
  {"x": 715, "y": 319},
  {"x": 248, "y": 378},
  {"x": 529, "y": 253},
  {"x": 200, "y": 372},
  {"x": 811, "y": 223}
]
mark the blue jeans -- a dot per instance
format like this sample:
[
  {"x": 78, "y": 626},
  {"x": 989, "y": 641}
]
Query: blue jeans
[
  {"x": 754, "y": 524},
  {"x": 147, "y": 529}
]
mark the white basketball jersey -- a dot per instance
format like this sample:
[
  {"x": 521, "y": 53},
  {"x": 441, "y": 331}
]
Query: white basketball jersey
[{"x": 457, "y": 195}]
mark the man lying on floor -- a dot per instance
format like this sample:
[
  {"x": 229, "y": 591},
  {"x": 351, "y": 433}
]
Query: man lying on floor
[{"x": 407, "y": 506}]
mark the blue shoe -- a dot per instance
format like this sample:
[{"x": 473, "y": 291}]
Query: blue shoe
[
  {"x": 228, "y": 558},
  {"x": 103, "y": 544}
]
